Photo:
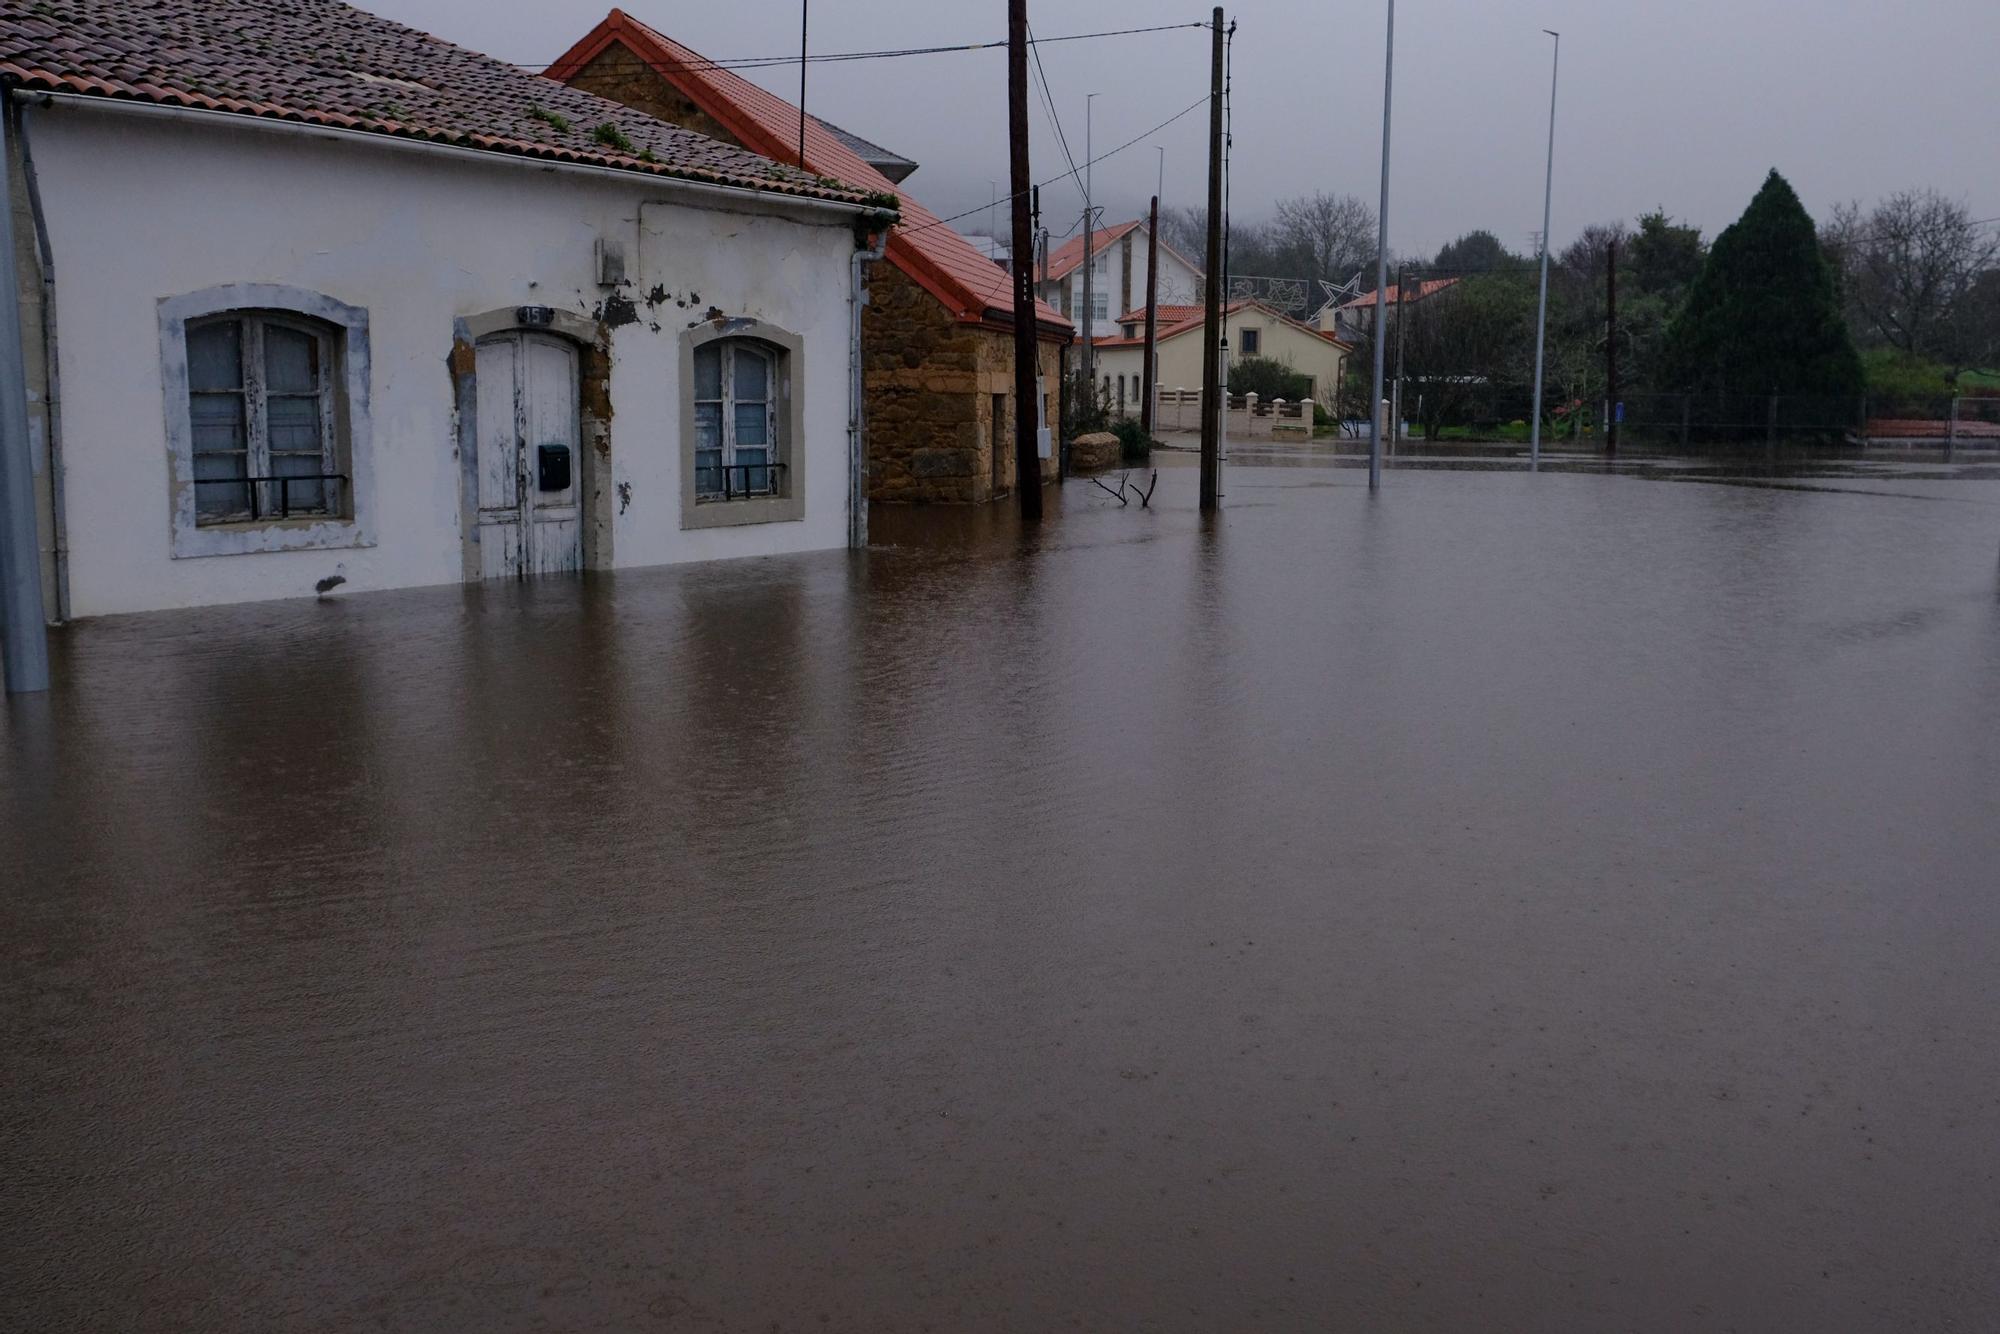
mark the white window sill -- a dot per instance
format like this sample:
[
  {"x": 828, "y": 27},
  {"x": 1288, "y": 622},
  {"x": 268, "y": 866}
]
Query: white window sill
[
  {"x": 735, "y": 513},
  {"x": 302, "y": 533}
]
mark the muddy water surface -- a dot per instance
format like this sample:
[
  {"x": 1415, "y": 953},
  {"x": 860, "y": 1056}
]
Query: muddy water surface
[{"x": 1559, "y": 903}]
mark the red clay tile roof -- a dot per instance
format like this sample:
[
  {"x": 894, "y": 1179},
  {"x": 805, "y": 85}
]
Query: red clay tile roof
[
  {"x": 1066, "y": 258},
  {"x": 1168, "y": 315},
  {"x": 1394, "y": 295},
  {"x": 321, "y": 62},
  {"x": 972, "y": 287},
  {"x": 1193, "y": 317}
]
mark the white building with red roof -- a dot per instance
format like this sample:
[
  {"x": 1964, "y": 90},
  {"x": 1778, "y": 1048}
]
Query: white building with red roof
[
  {"x": 1117, "y": 278},
  {"x": 316, "y": 301},
  {"x": 937, "y": 335},
  {"x": 1253, "y": 328}
]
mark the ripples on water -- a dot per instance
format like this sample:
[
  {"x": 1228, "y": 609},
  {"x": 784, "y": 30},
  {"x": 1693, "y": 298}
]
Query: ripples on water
[{"x": 1557, "y": 902}]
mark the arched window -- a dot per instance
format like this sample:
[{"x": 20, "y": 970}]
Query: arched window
[
  {"x": 743, "y": 457},
  {"x": 261, "y": 413},
  {"x": 267, "y": 422},
  {"x": 736, "y": 421}
]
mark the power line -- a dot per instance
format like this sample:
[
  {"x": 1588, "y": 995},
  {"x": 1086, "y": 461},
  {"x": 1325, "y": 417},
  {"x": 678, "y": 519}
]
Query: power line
[
  {"x": 1049, "y": 102},
  {"x": 1197, "y": 103},
  {"x": 761, "y": 62}
]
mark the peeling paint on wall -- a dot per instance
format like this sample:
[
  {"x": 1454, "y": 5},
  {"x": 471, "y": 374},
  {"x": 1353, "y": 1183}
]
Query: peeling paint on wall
[{"x": 617, "y": 310}]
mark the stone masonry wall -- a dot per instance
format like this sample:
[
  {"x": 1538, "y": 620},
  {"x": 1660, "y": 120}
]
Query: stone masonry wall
[
  {"x": 616, "y": 73},
  {"x": 931, "y": 381}
]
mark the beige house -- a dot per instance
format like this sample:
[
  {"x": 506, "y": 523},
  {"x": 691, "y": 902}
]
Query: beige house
[{"x": 1254, "y": 330}]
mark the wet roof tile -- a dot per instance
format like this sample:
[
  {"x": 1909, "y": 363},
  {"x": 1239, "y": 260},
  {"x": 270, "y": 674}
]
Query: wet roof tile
[{"x": 321, "y": 62}]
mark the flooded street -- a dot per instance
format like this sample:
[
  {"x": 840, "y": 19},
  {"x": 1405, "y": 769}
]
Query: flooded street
[{"x": 1508, "y": 902}]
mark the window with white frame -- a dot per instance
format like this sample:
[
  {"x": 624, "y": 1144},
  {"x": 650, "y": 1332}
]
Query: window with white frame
[
  {"x": 736, "y": 419},
  {"x": 261, "y": 412},
  {"x": 743, "y": 452},
  {"x": 269, "y": 445},
  {"x": 1100, "y": 305}
]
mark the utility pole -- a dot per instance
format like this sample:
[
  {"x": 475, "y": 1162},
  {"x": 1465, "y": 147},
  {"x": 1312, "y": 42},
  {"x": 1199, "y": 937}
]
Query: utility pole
[
  {"x": 1542, "y": 308},
  {"x": 1149, "y": 389},
  {"x": 1402, "y": 307},
  {"x": 1211, "y": 332},
  {"x": 1382, "y": 263},
  {"x": 1611, "y": 346},
  {"x": 24, "y": 632},
  {"x": 1027, "y": 460},
  {"x": 805, "y": 9},
  {"x": 1089, "y": 258}
]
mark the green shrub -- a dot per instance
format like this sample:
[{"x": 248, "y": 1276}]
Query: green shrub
[
  {"x": 1084, "y": 408},
  {"x": 1267, "y": 379},
  {"x": 1134, "y": 445},
  {"x": 1894, "y": 373}
]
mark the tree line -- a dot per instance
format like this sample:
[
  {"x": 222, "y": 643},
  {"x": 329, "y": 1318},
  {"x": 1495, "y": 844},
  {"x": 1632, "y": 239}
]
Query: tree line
[{"x": 1897, "y": 299}]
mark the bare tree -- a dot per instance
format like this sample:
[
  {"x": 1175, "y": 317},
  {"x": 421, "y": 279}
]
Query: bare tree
[
  {"x": 1185, "y": 229},
  {"x": 1911, "y": 269},
  {"x": 1333, "y": 234}
]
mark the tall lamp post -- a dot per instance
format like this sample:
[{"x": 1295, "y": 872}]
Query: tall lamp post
[
  {"x": 1542, "y": 307},
  {"x": 1382, "y": 264}
]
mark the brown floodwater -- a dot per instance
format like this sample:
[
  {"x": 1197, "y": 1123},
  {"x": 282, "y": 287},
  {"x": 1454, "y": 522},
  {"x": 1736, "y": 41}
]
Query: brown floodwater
[{"x": 1538, "y": 903}]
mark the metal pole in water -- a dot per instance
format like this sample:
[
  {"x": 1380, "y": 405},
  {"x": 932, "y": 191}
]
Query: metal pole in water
[
  {"x": 1381, "y": 262},
  {"x": 23, "y": 627},
  {"x": 1542, "y": 307}
]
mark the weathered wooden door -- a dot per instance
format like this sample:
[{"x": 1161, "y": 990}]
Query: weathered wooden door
[{"x": 530, "y": 488}]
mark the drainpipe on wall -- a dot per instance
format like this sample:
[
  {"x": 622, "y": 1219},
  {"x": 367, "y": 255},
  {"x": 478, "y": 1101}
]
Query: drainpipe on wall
[
  {"x": 857, "y": 439},
  {"x": 52, "y": 374},
  {"x": 24, "y": 637}
]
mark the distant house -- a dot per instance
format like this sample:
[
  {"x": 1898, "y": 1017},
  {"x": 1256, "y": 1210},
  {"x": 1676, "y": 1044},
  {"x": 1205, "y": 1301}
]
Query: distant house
[
  {"x": 1254, "y": 330},
  {"x": 335, "y": 303},
  {"x": 937, "y": 334},
  {"x": 1118, "y": 281},
  {"x": 1356, "y": 317}
]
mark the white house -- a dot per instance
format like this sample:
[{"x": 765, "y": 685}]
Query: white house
[
  {"x": 333, "y": 303},
  {"x": 1118, "y": 277}
]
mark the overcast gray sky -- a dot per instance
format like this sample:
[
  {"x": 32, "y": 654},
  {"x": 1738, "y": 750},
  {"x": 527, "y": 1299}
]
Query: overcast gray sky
[{"x": 1678, "y": 103}]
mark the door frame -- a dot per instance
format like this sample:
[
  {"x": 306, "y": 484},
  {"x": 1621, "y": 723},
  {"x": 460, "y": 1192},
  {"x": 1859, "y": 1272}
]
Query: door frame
[{"x": 593, "y": 462}]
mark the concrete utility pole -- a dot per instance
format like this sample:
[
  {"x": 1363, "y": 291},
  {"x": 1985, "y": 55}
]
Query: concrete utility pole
[
  {"x": 1089, "y": 257},
  {"x": 1027, "y": 459},
  {"x": 1211, "y": 333},
  {"x": 1611, "y": 347},
  {"x": 1542, "y": 308},
  {"x": 1402, "y": 305},
  {"x": 1149, "y": 388},
  {"x": 23, "y": 628},
  {"x": 1382, "y": 263}
]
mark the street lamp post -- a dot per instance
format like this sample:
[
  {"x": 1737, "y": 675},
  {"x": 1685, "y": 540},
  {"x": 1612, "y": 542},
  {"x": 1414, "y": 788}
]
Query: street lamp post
[
  {"x": 1542, "y": 307},
  {"x": 1381, "y": 263}
]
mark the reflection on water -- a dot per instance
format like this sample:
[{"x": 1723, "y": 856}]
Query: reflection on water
[{"x": 1557, "y": 902}]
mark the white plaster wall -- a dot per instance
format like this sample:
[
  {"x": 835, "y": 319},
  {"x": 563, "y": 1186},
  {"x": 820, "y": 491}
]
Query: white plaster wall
[
  {"x": 1180, "y": 285},
  {"x": 140, "y": 210}
]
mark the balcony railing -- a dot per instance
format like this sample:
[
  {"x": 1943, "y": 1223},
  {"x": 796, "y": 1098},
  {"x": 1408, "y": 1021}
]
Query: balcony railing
[
  {"x": 758, "y": 479},
  {"x": 255, "y": 487}
]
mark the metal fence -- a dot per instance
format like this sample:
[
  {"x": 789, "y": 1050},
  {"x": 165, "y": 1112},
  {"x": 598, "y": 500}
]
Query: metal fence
[{"x": 1447, "y": 413}]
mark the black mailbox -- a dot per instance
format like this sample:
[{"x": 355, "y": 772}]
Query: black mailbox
[{"x": 552, "y": 467}]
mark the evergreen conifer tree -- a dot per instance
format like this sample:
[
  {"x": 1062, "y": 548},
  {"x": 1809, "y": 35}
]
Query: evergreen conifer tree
[{"x": 1763, "y": 317}]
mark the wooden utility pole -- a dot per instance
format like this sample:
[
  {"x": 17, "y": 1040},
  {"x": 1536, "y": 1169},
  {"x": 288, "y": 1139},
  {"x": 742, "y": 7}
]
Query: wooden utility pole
[
  {"x": 1149, "y": 388},
  {"x": 805, "y": 8},
  {"x": 1027, "y": 459},
  {"x": 1611, "y": 346},
  {"x": 1211, "y": 334}
]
